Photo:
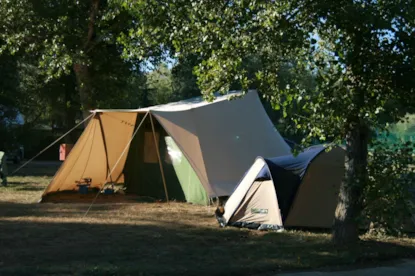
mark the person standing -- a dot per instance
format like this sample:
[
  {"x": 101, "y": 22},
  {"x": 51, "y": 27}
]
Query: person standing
[{"x": 3, "y": 168}]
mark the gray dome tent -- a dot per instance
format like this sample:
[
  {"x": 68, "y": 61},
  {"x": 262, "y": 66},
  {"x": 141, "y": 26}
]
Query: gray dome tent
[{"x": 288, "y": 191}]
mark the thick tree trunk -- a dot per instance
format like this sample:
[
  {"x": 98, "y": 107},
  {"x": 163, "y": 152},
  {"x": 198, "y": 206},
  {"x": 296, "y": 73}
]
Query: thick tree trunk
[
  {"x": 345, "y": 229},
  {"x": 81, "y": 69}
]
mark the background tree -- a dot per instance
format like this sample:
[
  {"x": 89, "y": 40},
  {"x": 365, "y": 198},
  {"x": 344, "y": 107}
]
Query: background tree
[
  {"x": 160, "y": 85},
  {"x": 72, "y": 38},
  {"x": 184, "y": 81},
  {"x": 387, "y": 199},
  {"x": 67, "y": 60},
  {"x": 9, "y": 100}
]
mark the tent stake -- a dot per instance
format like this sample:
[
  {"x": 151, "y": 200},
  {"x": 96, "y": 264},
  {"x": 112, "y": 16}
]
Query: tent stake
[{"x": 158, "y": 156}]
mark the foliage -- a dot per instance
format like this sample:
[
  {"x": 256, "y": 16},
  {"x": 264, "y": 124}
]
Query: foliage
[
  {"x": 387, "y": 200},
  {"x": 178, "y": 83},
  {"x": 404, "y": 129},
  {"x": 10, "y": 99},
  {"x": 184, "y": 81},
  {"x": 8, "y": 89},
  {"x": 159, "y": 82},
  {"x": 67, "y": 59},
  {"x": 359, "y": 52},
  {"x": 61, "y": 38}
]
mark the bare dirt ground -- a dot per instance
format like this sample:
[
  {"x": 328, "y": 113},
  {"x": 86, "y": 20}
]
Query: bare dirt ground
[{"x": 156, "y": 239}]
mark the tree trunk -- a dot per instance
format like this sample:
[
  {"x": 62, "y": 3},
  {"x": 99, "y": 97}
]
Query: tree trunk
[
  {"x": 345, "y": 229},
  {"x": 70, "y": 114},
  {"x": 81, "y": 69},
  {"x": 83, "y": 81}
]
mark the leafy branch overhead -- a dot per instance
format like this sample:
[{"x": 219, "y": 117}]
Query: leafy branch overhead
[{"x": 361, "y": 53}]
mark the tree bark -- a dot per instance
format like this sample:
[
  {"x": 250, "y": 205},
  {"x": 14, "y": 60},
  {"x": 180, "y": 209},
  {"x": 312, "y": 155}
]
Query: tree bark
[
  {"x": 70, "y": 114},
  {"x": 83, "y": 81},
  {"x": 345, "y": 229},
  {"x": 81, "y": 69}
]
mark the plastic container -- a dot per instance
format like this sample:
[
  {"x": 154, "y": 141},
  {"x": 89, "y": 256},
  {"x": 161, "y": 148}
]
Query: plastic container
[{"x": 83, "y": 189}]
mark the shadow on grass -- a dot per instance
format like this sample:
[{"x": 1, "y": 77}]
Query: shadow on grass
[
  {"x": 14, "y": 210},
  {"x": 25, "y": 186},
  {"x": 152, "y": 246}
]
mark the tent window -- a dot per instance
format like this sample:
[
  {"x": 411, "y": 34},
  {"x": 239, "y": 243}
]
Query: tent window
[{"x": 150, "y": 150}]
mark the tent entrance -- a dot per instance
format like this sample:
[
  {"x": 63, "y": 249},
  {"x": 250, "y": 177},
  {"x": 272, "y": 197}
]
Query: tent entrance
[{"x": 259, "y": 208}]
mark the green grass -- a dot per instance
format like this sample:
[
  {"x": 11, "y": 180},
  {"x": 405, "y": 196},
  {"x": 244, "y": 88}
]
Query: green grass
[{"x": 158, "y": 238}]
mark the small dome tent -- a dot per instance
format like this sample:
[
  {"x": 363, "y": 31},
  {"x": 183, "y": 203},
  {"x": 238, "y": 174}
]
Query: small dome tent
[{"x": 288, "y": 191}]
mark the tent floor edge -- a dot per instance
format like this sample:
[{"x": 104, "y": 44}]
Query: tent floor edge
[{"x": 257, "y": 226}]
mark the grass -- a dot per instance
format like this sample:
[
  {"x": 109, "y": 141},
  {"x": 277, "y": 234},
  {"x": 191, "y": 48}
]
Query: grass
[{"x": 158, "y": 238}]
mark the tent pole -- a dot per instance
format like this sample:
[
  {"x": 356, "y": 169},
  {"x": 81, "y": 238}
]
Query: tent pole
[
  {"x": 158, "y": 155},
  {"x": 105, "y": 144}
]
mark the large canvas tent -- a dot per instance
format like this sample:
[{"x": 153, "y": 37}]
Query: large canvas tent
[
  {"x": 189, "y": 150},
  {"x": 288, "y": 191}
]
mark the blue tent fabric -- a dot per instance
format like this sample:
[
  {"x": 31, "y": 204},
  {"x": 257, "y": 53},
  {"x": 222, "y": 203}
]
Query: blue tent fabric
[
  {"x": 287, "y": 173},
  {"x": 294, "y": 164}
]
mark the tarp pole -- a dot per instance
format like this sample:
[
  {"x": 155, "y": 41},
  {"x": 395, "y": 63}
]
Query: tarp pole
[{"x": 158, "y": 155}]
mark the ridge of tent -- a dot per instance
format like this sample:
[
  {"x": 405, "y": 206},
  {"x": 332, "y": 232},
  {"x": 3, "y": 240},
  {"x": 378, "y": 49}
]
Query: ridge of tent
[{"x": 187, "y": 104}]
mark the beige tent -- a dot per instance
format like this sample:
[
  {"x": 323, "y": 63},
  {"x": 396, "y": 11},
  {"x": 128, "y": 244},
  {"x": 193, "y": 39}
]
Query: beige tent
[
  {"x": 218, "y": 140},
  {"x": 288, "y": 191}
]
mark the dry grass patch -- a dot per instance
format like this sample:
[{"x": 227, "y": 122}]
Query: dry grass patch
[{"x": 157, "y": 238}]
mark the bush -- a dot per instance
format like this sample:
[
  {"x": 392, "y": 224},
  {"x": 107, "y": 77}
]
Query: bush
[{"x": 387, "y": 200}]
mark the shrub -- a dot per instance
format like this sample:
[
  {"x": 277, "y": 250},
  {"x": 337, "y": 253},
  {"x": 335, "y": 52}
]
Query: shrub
[{"x": 387, "y": 199}]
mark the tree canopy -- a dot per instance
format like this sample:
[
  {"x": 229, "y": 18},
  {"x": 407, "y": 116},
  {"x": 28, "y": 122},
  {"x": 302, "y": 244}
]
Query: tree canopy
[{"x": 72, "y": 38}]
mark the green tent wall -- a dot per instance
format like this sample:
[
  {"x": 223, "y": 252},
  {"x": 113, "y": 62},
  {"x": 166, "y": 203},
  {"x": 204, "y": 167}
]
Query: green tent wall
[{"x": 190, "y": 183}]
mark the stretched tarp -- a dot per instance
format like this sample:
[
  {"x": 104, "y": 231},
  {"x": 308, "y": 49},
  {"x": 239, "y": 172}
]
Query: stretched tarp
[{"x": 220, "y": 139}]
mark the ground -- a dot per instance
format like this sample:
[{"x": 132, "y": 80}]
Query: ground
[
  {"x": 404, "y": 268},
  {"x": 157, "y": 238}
]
